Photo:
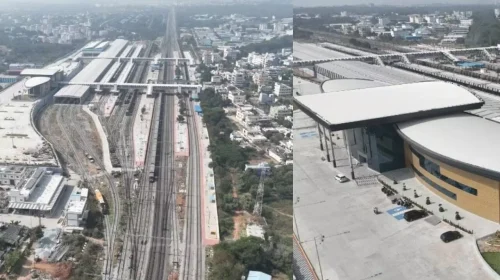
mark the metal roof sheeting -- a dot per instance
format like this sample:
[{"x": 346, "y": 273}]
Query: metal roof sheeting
[
  {"x": 336, "y": 109},
  {"x": 461, "y": 137},
  {"x": 92, "y": 71}
]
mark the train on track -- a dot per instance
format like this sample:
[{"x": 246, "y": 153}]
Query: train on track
[
  {"x": 102, "y": 202},
  {"x": 153, "y": 138}
]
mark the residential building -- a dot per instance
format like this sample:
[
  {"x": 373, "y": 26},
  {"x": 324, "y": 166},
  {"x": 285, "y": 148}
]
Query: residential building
[
  {"x": 260, "y": 168},
  {"x": 246, "y": 117},
  {"x": 280, "y": 111},
  {"x": 230, "y": 53},
  {"x": 278, "y": 154},
  {"x": 262, "y": 78},
  {"x": 384, "y": 21},
  {"x": 77, "y": 209},
  {"x": 236, "y": 97},
  {"x": 282, "y": 90},
  {"x": 266, "y": 98},
  {"x": 238, "y": 78},
  {"x": 216, "y": 79},
  {"x": 207, "y": 57},
  {"x": 236, "y": 137},
  {"x": 430, "y": 18}
]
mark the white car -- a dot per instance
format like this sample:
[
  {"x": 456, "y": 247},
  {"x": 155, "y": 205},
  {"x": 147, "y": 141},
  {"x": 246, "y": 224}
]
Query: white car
[{"x": 341, "y": 178}]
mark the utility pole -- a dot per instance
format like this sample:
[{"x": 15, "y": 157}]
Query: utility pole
[{"x": 317, "y": 254}]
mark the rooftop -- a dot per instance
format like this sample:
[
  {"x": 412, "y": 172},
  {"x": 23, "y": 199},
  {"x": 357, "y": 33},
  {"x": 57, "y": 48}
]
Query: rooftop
[
  {"x": 349, "y": 84},
  {"x": 257, "y": 275},
  {"x": 92, "y": 71},
  {"x": 36, "y": 81},
  {"x": 39, "y": 72},
  {"x": 452, "y": 137},
  {"x": 408, "y": 101},
  {"x": 44, "y": 196}
]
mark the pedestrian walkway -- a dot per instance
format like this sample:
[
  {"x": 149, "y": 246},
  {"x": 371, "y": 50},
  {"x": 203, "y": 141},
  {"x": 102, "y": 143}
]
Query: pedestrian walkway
[
  {"x": 469, "y": 221},
  {"x": 210, "y": 218},
  {"x": 106, "y": 158}
]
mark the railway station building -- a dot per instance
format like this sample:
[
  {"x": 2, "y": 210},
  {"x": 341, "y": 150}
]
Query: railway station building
[{"x": 420, "y": 126}]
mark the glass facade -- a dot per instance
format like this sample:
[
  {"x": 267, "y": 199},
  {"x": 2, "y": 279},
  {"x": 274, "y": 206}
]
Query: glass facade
[
  {"x": 434, "y": 185},
  {"x": 434, "y": 170},
  {"x": 379, "y": 146}
]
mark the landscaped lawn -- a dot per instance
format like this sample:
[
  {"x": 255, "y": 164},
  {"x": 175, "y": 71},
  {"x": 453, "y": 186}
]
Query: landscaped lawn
[{"x": 493, "y": 259}]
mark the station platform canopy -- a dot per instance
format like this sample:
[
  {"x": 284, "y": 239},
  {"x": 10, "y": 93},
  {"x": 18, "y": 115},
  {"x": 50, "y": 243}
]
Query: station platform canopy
[{"x": 378, "y": 105}]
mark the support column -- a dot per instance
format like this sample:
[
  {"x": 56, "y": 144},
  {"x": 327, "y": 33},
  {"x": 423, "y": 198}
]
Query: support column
[
  {"x": 333, "y": 151},
  {"x": 348, "y": 153},
  {"x": 320, "y": 140},
  {"x": 326, "y": 144},
  {"x": 315, "y": 70}
]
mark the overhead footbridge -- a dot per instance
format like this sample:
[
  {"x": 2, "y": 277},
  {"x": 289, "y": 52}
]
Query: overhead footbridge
[
  {"x": 142, "y": 86},
  {"x": 155, "y": 60}
]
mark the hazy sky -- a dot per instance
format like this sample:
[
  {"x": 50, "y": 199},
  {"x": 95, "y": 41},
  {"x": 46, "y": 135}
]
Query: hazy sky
[{"x": 311, "y": 3}]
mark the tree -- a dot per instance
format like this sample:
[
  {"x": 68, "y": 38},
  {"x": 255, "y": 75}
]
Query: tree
[
  {"x": 224, "y": 266},
  {"x": 180, "y": 118}
]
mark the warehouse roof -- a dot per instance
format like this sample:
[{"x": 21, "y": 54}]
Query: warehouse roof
[
  {"x": 389, "y": 104},
  {"x": 463, "y": 140}
]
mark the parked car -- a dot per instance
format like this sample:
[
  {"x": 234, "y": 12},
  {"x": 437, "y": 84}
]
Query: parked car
[
  {"x": 413, "y": 215},
  {"x": 450, "y": 236},
  {"x": 341, "y": 178}
]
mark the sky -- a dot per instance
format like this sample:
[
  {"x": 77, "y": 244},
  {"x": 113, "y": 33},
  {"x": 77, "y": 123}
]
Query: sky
[{"x": 312, "y": 3}]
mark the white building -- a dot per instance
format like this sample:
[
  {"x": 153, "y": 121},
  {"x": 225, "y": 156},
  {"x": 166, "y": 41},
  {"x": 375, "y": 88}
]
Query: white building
[
  {"x": 384, "y": 21},
  {"x": 247, "y": 118},
  {"x": 282, "y": 90},
  {"x": 216, "y": 79},
  {"x": 230, "y": 53},
  {"x": 262, "y": 78},
  {"x": 236, "y": 97},
  {"x": 238, "y": 78},
  {"x": 255, "y": 230},
  {"x": 430, "y": 18},
  {"x": 77, "y": 208},
  {"x": 466, "y": 22},
  {"x": 280, "y": 111},
  {"x": 207, "y": 57},
  {"x": 34, "y": 190}
]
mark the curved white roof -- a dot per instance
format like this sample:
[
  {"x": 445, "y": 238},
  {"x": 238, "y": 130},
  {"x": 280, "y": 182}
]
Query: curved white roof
[
  {"x": 36, "y": 81},
  {"x": 349, "y": 84},
  {"x": 461, "y": 137}
]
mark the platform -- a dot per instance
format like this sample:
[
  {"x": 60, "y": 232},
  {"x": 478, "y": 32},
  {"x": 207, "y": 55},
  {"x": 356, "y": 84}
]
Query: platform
[
  {"x": 181, "y": 148},
  {"x": 209, "y": 216},
  {"x": 142, "y": 125}
]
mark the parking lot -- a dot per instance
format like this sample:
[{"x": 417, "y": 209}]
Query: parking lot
[{"x": 357, "y": 244}]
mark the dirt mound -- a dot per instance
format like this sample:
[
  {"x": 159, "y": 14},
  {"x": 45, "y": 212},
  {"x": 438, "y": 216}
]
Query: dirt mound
[{"x": 56, "y": 270}]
